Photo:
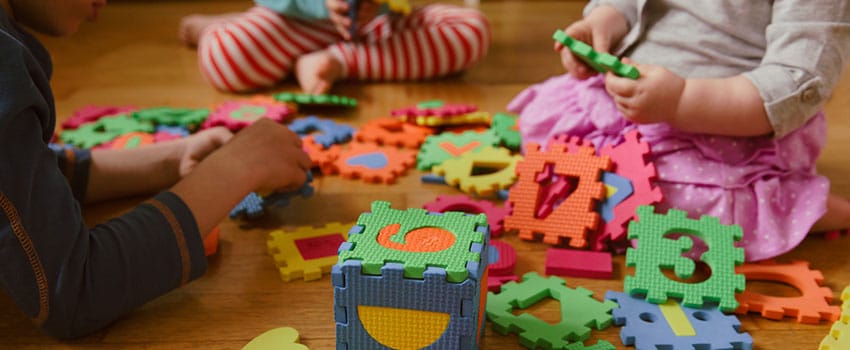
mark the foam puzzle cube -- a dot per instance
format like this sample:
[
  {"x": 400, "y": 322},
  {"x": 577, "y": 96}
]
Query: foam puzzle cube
[{"x": 411, "y": 279}]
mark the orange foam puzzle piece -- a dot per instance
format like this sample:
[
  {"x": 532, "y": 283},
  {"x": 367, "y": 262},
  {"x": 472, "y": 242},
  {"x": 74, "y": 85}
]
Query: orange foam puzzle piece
[
  {"x": 393, "y": 132},
  {"x": 811, "y": 307},
  {"x": 373, "y": 163},
  {"x": 577, "y": 213}
]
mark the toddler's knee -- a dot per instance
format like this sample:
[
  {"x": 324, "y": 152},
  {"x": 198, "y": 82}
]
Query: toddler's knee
[{"x": 233, "y": 66}]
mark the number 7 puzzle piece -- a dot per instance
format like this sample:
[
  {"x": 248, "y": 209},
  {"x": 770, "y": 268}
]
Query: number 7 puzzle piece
[{"x": 307, "y": 252}]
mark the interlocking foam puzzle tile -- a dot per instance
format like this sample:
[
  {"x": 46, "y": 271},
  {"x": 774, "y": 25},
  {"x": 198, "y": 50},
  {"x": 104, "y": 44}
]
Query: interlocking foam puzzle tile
[
  {"x": 90, "y": 114},
  {"x": 328, "y": 131},
  {"x": 252, "y": 206},
  {"x": 579, "y": 312},
  {"x": 629, "y": 158},
  {"x": 618, "y": 189},
  {"x": 189, "y": 118},
  {"x": 283, "y": 338},
  {"x": 316, "y": 100},
  {"x": 600, "y": 345},
  {"x": 495, "y": 215},
  {"x": 506, "y": 127},
  {"x": 460, "y": 171},
  {"x": 838, "y": 337},
  {"x": 656, "y": 251},
  {"x": 601, "y": 62},
  {"x": 472, "y": 118},
  {"x": 810, "y": 307},
  {"x": 504, "y": 262},
  {"x": 670, "y": 326},
  {"x": 438, "y": 148},
  {"x": 577, "y": 213},
  {"x": 129, "y": 141},
  {"x": 578, "y": 263},
  {"x": 104, "y": 130},
  {"x": 236, "y": 115},
  {"x": 433, "y": 108},
  {"x": 390, "y": 311},
  {"x": 373, "y": 163},
  {"x": 391, "y": 132},
  {"x": 845, "y": 297},
  {"x": 307, "y": 251},
  {"x": 322, "y": 157},
  {"x": 416, "y": 238}
]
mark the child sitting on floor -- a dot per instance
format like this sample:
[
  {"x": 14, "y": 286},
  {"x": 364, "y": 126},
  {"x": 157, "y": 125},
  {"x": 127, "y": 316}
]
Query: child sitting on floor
[
  {"x": 729, "y": 98},
  {"x": 260, "y": 47},
  {"x": 72, "y": 280}
]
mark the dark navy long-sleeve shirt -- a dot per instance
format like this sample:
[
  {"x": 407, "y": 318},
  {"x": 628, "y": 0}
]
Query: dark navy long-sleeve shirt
[{"x": 72, "y": 280}]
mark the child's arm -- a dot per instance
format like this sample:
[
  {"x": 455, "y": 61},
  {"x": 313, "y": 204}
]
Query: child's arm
[{"x": 728, "y": 106}]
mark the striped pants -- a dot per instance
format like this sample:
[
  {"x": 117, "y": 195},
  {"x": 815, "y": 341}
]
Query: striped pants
[{"x": 258, "y": 48}]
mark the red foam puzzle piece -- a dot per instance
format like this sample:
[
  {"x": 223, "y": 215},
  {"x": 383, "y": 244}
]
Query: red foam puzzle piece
[
  {"x": 90, "y": 114},
  {"x": 578, "y": 263},
  {"x": 495, "y": 215}
]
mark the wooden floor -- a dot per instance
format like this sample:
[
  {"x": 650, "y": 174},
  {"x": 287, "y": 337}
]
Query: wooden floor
[{"x": 131, "y": 56}]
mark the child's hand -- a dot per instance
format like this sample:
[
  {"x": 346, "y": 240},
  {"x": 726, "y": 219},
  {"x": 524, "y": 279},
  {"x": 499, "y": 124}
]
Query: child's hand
[
  {"x": 652, "y": 98},
  {"x": 199, "y": 145},
  {"x": 269, "y": 154},
  {"x": 602, "y": 28},
  {"x": 339, "y": 11}
]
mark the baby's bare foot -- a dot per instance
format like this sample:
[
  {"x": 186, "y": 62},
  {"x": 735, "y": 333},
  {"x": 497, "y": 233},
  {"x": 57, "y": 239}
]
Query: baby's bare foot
[
  {"x": 192, "y": 26},
  {"x": 317, "y": 71}
]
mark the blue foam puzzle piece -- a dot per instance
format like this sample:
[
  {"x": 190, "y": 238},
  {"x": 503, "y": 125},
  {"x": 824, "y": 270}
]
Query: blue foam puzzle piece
[
  {"x": 624, "y": 190},
  {"x": 330, "y": 132},
  {"x": 503, "y": 194},
  {"x": 391, "y": 289},
  {"x": 647, "y": 328},
  {"x": 250, "y": 207},
  {"x": 433, "y": 179},
  {"x": 254, "y": 206},
  {"x": 174, "y": 130}
]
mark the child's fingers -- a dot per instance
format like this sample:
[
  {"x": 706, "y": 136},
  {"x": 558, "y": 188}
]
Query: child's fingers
[
  {"x": 338, "y": 6},
  {"x": 619, "y": 86}
]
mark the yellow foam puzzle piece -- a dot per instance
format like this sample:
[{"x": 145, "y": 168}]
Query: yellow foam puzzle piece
[
  {"x": 838, "y": 337},
  {"x": 292, "y": 265},
  {"x": 400, "y": 6},
  {"x": 677, "y": 319},
  {"x": 403, "y": 329},
  {"x": 458, "y": 171},
  {"x": 283, "y": 338}
]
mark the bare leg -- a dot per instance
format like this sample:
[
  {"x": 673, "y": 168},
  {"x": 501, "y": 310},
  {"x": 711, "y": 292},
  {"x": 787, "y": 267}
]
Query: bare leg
[
  {"x": 317, "y": 71},
  {"x": 192, "y": 26},
  {"x": 837, "y": 215}
]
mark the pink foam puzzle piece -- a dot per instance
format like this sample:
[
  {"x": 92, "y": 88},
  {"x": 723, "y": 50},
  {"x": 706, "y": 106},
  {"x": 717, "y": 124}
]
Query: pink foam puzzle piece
[{"x": 579, "y": 263}]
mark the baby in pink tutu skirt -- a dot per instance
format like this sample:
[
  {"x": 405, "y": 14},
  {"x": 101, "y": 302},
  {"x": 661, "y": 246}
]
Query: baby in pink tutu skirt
[{"x": 730, "y": 100}]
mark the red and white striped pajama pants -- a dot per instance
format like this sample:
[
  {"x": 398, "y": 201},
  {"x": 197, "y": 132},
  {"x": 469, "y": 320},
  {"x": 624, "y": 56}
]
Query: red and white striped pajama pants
[{"x": 259, "y": 48}]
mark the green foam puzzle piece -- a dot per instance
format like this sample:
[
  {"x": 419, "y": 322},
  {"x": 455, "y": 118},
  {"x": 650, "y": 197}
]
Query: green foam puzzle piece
[
  {"x": 438, "y": 148},
  {"x": 601, "y": 62},
  {"x": 373, "y": 254},
  {"x": 579, "y": 312},
  {"x": 505, "y": 127},
  {"x": 104, "y": 130},
  {"x": 186, "y": 117},
  {"x": 430, "y": 104},
  {"x": 655, "y": 252},
  {"x": 321, "y": 99}
]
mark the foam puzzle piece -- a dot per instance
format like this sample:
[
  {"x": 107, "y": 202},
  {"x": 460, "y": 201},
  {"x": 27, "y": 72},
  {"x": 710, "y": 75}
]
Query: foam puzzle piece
[
  {"x": 315, "y": 100},
  {"x": 437, "y": 239},
  {"x": 397, "y": 6},
  {"x": 838, "y": 337},
  {"x": 656, "y": 251},
  {"x": 504, "y": 262},
  {"x": 104, "y": 130},
  {"x": 392, "y": 132},
  {"x": 429, "y": 312},
  {"x": 472, "y": 118},
  {"x": 495, "y": 215},
  {"x": 577, "y": 213},
  {"x": 433, "y": 108},
  {"x": 494, "y": 283},
  {"x": 601, "y": 62},
  {"x": 578, "y": 263},
  {"x": 630, "y": 161},
  {"x": 810, "y": 307},
  {"x": 236, "y": 115},
  {"x": 621, "y": 188},
  {"x": 284, "y": 338},
  {"x": 600, "y": 345},
  {"x": 189, "y": 118},
  {"x": 506, "y": 128},
  {"x": 129, "y": 141},
  {"x": 89, "y": 114},
  {"x": 322, "y": 157},
  {"x": 328, "y": 131},
  {"x": 307, "y": 252},
  {"x": 646, "y": 326},
  {"x": 439, "y": 148},
  {"x": 254, "y": 205},
  {"x": 460, "y": 171},
  {"x": 373, "y": 163},
  {"x": 211, "y": 242},
  {"x": 579, "y": 312},
  {"x": 177, "y": 131},
  {"x": 845, "y": 297}
]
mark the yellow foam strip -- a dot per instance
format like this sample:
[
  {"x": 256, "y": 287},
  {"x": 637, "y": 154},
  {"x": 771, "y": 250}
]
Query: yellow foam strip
[{"x": 677, "y": 319}]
